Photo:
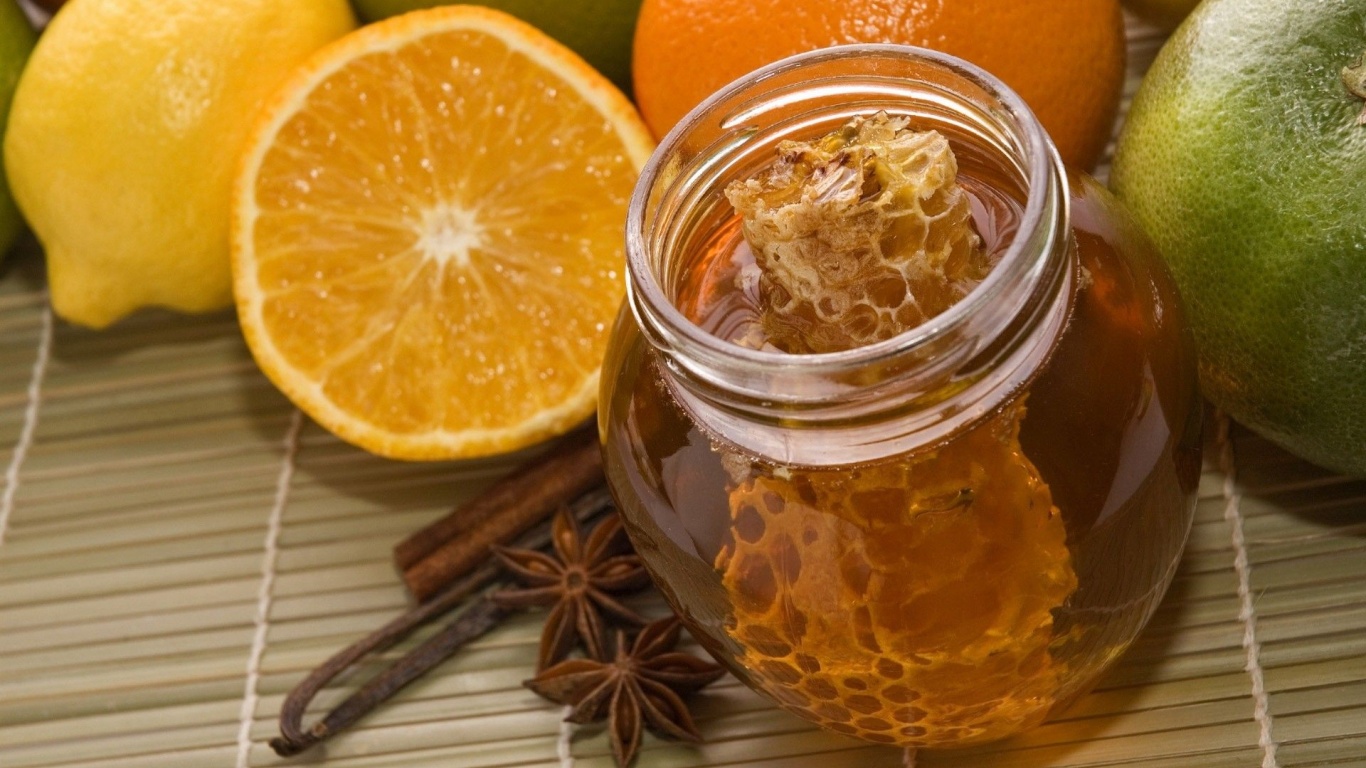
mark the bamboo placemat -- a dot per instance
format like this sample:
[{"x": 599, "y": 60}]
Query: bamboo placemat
[{"x": 178, "y": 547}]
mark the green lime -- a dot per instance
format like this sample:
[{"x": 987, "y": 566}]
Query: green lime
[
  {"x": 1166, "y": 14},
  {"x": 1244, "y": 158},
  {"x": 16, "y": 43},
  {"x": 598, "y": 30}
]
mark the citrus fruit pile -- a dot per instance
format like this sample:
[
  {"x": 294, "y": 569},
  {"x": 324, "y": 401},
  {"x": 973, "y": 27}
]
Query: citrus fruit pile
[{"x": 419, "y": 221}]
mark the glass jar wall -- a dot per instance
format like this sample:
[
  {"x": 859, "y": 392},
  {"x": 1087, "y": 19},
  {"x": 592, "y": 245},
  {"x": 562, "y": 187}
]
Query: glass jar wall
[{"x": 932, "y": 540}]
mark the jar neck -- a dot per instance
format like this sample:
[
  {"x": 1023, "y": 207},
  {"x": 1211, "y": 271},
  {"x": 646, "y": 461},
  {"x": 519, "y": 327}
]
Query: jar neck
[{"x": 915, "y": 389}]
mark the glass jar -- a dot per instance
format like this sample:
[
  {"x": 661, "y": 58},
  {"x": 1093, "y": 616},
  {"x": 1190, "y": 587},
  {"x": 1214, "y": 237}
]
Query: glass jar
[{"x": 932, "y": 540}]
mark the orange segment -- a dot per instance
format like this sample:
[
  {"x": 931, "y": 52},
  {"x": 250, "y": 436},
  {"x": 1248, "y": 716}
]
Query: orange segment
[{"x": 427, "y": 234}]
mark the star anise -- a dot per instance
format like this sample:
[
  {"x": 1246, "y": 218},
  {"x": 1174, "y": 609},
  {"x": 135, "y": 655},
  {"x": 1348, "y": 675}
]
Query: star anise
[
  {"x": 580, "y": 582},
  {"x": 639, "y": 686}
]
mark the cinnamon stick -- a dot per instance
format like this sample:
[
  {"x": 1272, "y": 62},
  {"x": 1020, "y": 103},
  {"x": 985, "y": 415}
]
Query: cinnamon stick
[
  {"x": 459, "y": 542},
  {"x": 562, "y": 465}
]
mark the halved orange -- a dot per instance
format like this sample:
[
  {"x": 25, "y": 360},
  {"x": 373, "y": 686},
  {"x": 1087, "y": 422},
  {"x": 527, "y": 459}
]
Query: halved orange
[{"x": 427, "y": 234}]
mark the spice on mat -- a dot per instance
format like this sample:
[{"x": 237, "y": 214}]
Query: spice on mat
[
  {"x": 640, "y": 685},
  {"x": 480, "y": 616},
  {"x": 580, "y": 582},
  {"x": 458, "y": 543}
]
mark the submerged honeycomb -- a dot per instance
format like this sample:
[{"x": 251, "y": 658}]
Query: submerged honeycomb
[
  {"x": 907, "y": 602},
  {"x": 859, "y": 235}
]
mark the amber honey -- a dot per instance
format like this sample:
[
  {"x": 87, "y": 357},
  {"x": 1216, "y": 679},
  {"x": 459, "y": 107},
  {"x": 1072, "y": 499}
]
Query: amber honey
[{"x": 960, "y": 588}]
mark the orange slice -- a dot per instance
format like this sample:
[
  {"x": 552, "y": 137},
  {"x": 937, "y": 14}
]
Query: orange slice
[{"x": 427, "y": 234}]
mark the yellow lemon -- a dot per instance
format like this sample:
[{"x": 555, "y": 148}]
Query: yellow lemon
[
  {"x": 124, "y": 133},
  {"x": 427, "y": 233}
]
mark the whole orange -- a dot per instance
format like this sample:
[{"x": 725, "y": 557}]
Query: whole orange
[{"x": 1065, "y": 57}]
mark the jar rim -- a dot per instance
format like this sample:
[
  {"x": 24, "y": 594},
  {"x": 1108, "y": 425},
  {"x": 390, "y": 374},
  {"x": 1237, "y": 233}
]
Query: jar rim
[{"x": 1042, "y": 165}]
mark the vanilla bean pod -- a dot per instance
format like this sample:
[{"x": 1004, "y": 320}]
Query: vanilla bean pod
[{"x": 472, "y": 623}]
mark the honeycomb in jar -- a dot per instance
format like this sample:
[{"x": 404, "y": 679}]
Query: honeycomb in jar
[
  {"x": 902, "y": 248},
  {"x": 905, "y": 602},
  {"x": 908, "y": 601}
]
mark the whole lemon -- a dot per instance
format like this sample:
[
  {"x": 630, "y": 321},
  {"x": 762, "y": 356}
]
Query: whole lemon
[
  {"x": 598, "y": 30},
  {"x": 16, "y": 42},
  {"x": 1245, "y": 159},
  {"x": 125, "y": 133}
]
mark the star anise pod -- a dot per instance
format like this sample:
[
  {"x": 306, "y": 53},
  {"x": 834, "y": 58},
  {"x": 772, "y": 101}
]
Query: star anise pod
[
  {"x": 580, "y": 582},
  {"x": 639, "y": 686}
]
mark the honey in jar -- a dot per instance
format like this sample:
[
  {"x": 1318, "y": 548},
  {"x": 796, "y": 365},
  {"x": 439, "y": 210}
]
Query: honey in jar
[{"x": 901, "y": 417}]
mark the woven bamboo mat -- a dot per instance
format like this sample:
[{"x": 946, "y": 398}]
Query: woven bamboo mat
[{"x": 178, "y": 547}]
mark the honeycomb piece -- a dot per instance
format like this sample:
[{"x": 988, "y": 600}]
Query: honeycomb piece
[
  {"x": 859, "y": 235},
  {"x": 909, "y": 601},
  {"x": 906, "y": 602}
]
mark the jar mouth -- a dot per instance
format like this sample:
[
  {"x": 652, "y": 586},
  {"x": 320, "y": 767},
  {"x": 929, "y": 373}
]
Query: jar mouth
[{"x": 662, "y": 320}]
